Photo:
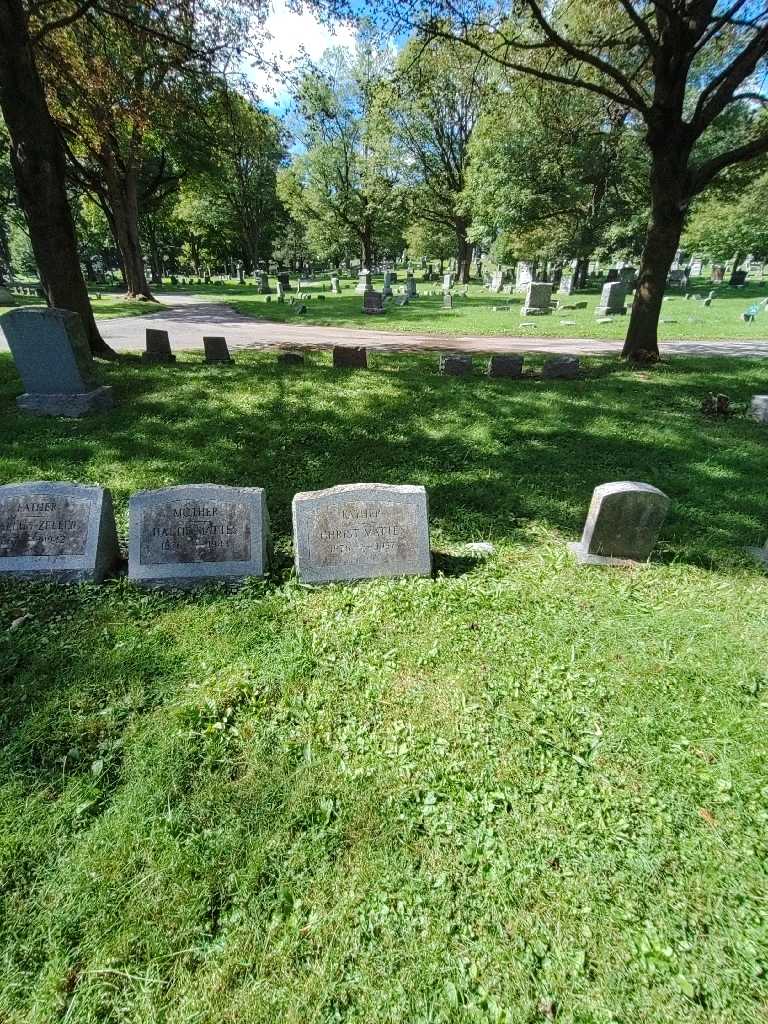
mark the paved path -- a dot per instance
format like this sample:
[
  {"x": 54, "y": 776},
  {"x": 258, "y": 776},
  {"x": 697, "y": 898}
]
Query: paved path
[{"x": 190, "y": 317}]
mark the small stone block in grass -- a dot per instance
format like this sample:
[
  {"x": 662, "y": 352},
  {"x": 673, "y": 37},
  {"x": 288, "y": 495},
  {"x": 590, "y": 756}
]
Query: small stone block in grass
[
  {"x": 158, "y": 347},
  {"x": 216, "y": 350},
  {"x": 350, "y": 358},
  {"x": 566, "y": 367},
  {"x": 622, "y": 524},
  {"x": 455, "y": 364},
  {"x": 505, "y": 366},
  {"x": 758, "y": 408},
  {"x": 290, "y": 358}
]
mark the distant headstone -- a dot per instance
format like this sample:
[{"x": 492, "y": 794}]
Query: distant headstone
[
  {"x": 192, "y": 534},
  {"x": 758, "y": 408},
  {"x": 497, "y": 282},
  {"x": 280, "y": 290},
  {"x": 622, "y": 525},
  {"x": 612, "y": 299},
  {"x": 284, "y": 278},
  {"x": 455, "y": 364},
  {"x": 523, "y": 275},
  {"x": 567, "y": 286},
  {"x": 447, "y": 300},
  {"x": 62, "y": 531},
  {"x": 410, "y": 285},
  {"x": 290, "y": 358},
  {"x": 373, "y": 302},
  {"x": 53, "y": 359},
  {"x": 566, "y": 367},
  {"x": 348, "y": 358},
  {"x": 738, "y": 278},
  {"x": 402, "y": 300},
  {"x": 447, "y": 282},
  {"x": 363, "y": 282},
  {"x": 718, "y": 273},
  {"x": 158, "y": 348},
  {"x": 628, "y": 277},
  {"x": 386, "y": 290},
  {"x": 696, "y": 268},
  {"x": 361, "y": 531},
  {"x": 335, "y": 288},
  {"x": 505, "y": 366},
  {"x": 538, "y": 299},
  {"x": 262, "y": 281}
]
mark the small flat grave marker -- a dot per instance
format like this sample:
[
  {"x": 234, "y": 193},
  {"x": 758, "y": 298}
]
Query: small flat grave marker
[
  {"x": 361, "y": 531},
  {"x": 622, "y": 525},
  {"x": 566, "y": 367},
  {"x": 63, "y": 531},
  {"x": 158, "y": 347},
  {"x": 758, "y": 408},
  {"x": 455, "y": 364},
  {"x": 349, "y": 358},
  {"x": 192, "y": 534},
  {"x": 373, "y": 302},
  {"x": 505, "y": 366},
  {"x": 290, "y": 358},
  {"x": 216, "y": 350}
]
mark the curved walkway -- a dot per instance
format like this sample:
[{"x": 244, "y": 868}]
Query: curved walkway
[{"x": 190, "y": 317}]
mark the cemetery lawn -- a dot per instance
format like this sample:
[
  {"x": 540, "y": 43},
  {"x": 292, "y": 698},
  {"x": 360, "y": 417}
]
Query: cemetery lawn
[
  {"x": 521, "y": 791},
  {"x": 691, "y": 320},
  {"x": 107, "y": 307}
]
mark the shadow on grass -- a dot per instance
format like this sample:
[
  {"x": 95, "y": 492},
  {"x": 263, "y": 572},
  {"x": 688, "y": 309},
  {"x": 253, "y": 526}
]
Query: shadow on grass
[{"x": 497, "y": 457}]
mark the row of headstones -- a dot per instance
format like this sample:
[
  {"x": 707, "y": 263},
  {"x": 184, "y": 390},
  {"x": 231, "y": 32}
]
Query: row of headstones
[
  {"x": 348, "y": 357},
  {"x": 187, "y": 535},
  {"x": 538, "y": 299}
]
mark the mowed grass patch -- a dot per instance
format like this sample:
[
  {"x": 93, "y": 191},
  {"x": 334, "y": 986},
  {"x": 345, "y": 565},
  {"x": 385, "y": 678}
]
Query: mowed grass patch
[
  {"x": 108, "y": 307},
  {"x": 681, "y": 319},
  {"x": 519, "y": 791}
]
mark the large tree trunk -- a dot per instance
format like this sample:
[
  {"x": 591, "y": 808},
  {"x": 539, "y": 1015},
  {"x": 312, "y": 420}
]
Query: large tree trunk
[
  {"x": 668, "y": 207},
  {"x": 37, "y": 159},
  {"x": 366, "y": 247},
  {"x": 122, "y": 193},
  {"x": 463, "y": 253}
]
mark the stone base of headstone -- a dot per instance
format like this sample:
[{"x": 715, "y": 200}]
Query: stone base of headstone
[
  {"x": 71, "y": 405},
  {"x": 455, "y": 364},
  {"x": 291, "y": 358},
  {"x": 583, "y": 557},
  {"x": 535, "y": 311},
  {"x": 607, "y": 311},
  {"x": 345, "y": 358},
  {"x": 758, "y": 408},
  {"x": 158, "y": 357},
  {"x": 566, "y": 367},
  {"x": 505, "y": 366}
]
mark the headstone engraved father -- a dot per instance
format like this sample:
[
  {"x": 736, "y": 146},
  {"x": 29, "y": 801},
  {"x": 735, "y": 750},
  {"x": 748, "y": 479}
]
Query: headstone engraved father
[
  {"x": 360, "y": 531},
  {"x": 62, "y": 531},
  {"x": 189, "y": 535},
  {"x": 51, "y": 353}
]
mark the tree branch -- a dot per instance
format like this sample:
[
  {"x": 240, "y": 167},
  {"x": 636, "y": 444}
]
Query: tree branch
[{"x": 703, "y": 175}]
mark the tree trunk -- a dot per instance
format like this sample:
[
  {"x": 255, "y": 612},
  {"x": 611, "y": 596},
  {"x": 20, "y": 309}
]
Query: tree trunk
[
  {"x": 668, "y": 207},
  {"x": 122, "y": 192},
  {"x": 366, "y": 247},
  {"x": 580, "y": 274},
  {"x": 37, "y": 159}
]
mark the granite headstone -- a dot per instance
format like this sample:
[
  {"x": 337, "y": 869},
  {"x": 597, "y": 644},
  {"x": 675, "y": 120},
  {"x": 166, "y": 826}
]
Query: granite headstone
[
  {"x": 622, "y": 524},
  {"x": 361, "y": 531},
  {"x": 350, "y": 358},
  {"x": 158, "y": 347},
  {"x": 216, "y": 350}
]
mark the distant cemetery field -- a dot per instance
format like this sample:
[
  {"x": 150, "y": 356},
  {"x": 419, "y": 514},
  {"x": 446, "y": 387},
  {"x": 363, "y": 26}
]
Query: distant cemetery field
[
  {"x": 475, "y": 314},
  {"x": 525, "y": 788}
]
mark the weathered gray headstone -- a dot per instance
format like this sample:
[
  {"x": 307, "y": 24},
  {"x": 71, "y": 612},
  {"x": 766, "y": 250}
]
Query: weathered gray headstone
[
  {"x": 566, "y": 285},
  {"x": 497, "y": 282},
  {"x": 216, "y": 350},
  {"x": 566, "y": 367},
  {"x": 350, "y": 358},
  {"x": 538, "y": 299},
  {"x": 612, "y": 299},
  {"x": 622, "y": 525},
  {"x": 51, "y": 353},
  {"x": 410, "y": 285},
  {"x": 447, "y": 300},
  {"x": 360, "y": 531},
  {"x": 335, "y": 289},
  {"x": 628, "y": 277},
  {"x": 758, "y": 408},
  {"x": 386, "y": 290},
  {"x": 455, "y": 364},
  {"x": 447, "y": 282},
  {"x": 505, "y": 366},
  {"x": 158, "y": 348},
  {"x": 363, "y": 282},
  {"x": 373, "y": 302},
  {"x": 192, "y": 534},
  {"x": 262, "y": 282},
  {"x": 64, "y": 531},
  {"x": 696, "y": 267}
]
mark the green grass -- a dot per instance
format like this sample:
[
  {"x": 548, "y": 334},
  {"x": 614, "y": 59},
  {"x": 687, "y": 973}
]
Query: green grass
[
  {"x": 517, "y": 791},
  {"x": 475, "y": 314},
  {"x": 107, "y": 307}
]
